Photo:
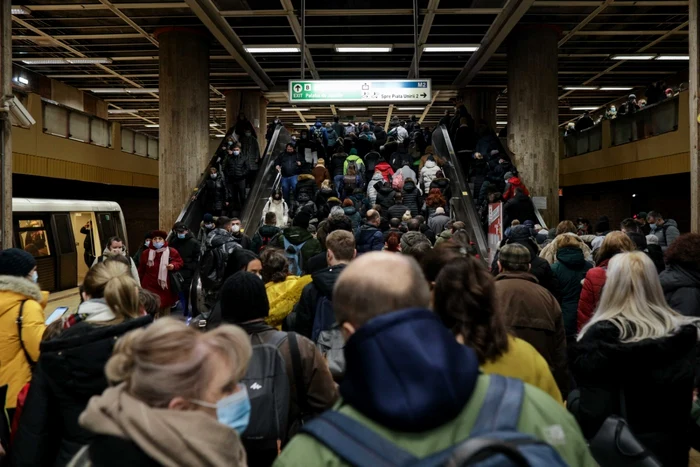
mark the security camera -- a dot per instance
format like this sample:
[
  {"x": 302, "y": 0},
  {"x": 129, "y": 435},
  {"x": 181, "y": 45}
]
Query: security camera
[{"x": 20, "y": 115}]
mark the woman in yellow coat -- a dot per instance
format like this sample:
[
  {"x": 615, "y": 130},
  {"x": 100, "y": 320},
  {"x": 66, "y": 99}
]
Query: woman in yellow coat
[
  {"x": 283, "y": 289},
  {"x": 19, "y": 291}
]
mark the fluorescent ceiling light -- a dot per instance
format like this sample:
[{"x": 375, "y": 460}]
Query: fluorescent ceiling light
[
  {"x": 632, "y": 57},
  {"x": 352, "y": 109},
  {"x": 673, "y": 57},
  {"x": 410, "y": 108},
  {"x": 218, "y": 135},
  {"x": 65, "y": 61},
  {"x": 20, "y": 10},
  {"x": 364, "y": 49},
  {"x": 585, "y": 108},
  {"x": 261, "y": 49},
  {"x": 22, "y": 80},
  {"x": 450, "y": 48},
  {"x": 213, "y": 125},
  {"x": 616, "y": 88},
  {"x": 297, "y": 109},
  {"x": 152, "y": 126},
  {"x": 123, "y": 90},
  {"x": 304, "y": 124},
  {"x": 580, "y": 88},
  {"x": 122, "y": 111},
  {"x": 501, "y": 123}
]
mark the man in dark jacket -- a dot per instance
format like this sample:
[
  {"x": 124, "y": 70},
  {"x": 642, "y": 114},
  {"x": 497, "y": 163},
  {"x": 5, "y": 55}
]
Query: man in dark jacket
[
  {"x": 411, "y": 196},
  {"x": 394, "y": 227},
  {"x": 288, "y": 164},
  {"x": 423, "y": 228},
  {"x": 666, "y": 230},
  {"x": 189, "y": 249},
  {"x": 298, "y": 234},
  {"x": 398, "y": 209},
  {"x": 236, "y": 169},
  {"x": 519, "y": 207},
  {"x": 341, "y": 250},
  {"x": 239, "y": 236},
  {"x": 385, "y": 197},
  {"x": 370, "y": 238},
  {"x": 265, "y": 233},
  {"x": 215, "y": 197},
  {"x": 337, "y": 167},
  {"x": 338, "y": 127},
  {"x": 531, "y": 312}
]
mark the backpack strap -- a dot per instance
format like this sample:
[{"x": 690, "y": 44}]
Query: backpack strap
[
  {"x": 501, "y": 408},
  {"x": 354, "y": 443},
  {"x": 298, "y": 371},
  {"x": 19, "y": 332}
]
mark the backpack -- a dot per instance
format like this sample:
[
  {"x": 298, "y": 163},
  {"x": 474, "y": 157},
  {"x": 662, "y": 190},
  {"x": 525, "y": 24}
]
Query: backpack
[
  {"x": 494, "y": 440},
  {"x": 350, "y": 181},
  {"x": 324, "y": 317},
  {"x": 397, "y": 181},
  {"x": 264, "y": 241},
  {"x": 294, "y": 256},
  {"x": 269, "y": 391},
  {"x": 318, "y": 136},
  {"x": 353, "y": 165},
  {"x": 212, "y": 267}
]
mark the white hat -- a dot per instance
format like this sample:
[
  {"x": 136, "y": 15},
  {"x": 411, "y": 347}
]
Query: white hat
[{"x": 439, "y": 211}]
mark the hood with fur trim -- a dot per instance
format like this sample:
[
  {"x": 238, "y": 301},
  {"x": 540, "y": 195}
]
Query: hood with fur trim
[{"x": 21, "y": 286}]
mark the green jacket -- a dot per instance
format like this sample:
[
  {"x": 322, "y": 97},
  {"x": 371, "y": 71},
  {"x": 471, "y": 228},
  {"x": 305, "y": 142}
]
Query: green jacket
[
  {"x": 444, "y": 236},
  {"x": 296, "y": 236},
  {"x": 570, "y": 270},
  {"x": 358, "y": 163},
  {"x": 541, "y": 417}
]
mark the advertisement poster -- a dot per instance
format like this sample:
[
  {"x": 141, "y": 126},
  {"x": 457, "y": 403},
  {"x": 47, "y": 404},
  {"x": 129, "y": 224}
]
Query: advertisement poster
[{"x": 495, "y": 234}]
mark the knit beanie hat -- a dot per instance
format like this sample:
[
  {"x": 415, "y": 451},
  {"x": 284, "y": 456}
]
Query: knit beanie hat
[
  {"x": 243, "y": 298},
  {"x": 353, "y": 152},
  {"x": 302, "y": 220},
  {"x": 16, "y": 262},
  {"x": 208, "y": 218},
  {"x": 321, "y": 161}
]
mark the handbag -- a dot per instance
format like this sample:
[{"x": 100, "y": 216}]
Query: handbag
[
  {"x": 177, "y": 282},
  {"x": 615, "y": 445}
]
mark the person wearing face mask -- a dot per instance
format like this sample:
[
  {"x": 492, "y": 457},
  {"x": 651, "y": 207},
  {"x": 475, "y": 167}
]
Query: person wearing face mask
[
  {"x": 189, "y": 249},
  {"x": 206, "y": 227},
  {"x": 239, "y": 236},
  {"x": 278, "y": 206},
  {"x": 244, "y": 125},
  {"x": 271, "y": 128},
  {"x": 215, "y": 197},
  {"x": 20, "y": 296},
  {"x": 236, "y": 169},
  {"x": 175, "y": 398},
  {"x": 251, "y": 151},
  {"x": 156, "y": 264},
  {"x": 306, "y": 147},
  {"x": 288, "y": 164},
  {"x": 115, "y": 247}
]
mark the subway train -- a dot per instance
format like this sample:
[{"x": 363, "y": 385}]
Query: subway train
[{"x": 64, "y": 236}]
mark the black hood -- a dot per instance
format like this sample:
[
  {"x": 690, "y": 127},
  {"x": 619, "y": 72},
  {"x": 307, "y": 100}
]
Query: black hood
[
  {"x": 409, "y": 186},
  {"x": 676, "y": 277},
  {"x": 269, "y": 230},
  {"x": 385, "y": 189},
  {"x": 324, "y": 280}
]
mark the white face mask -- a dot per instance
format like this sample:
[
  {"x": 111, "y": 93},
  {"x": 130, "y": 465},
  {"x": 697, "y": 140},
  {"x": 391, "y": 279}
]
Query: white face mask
[{"x": 236, "y": 228}]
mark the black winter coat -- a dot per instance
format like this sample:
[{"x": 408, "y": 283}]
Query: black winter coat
[
  {"x": 443, "y": 184},
  {"x": 371, "y": 160},
  {"x": 385, "y": 197},
  {"x": 397, "y": 211},
  {"x": 236, "y": 168},
  {"x": 215, "y": 195},
  {"x": 412, "y": 197},
  {"x": 682, "y": 289},
  {"x": 369, "y": 238},
  {"x": 657, "y": 377},
  {"x": 306, "y": 184},
  {"x": 288, "y": 164},
  {"x": 338, "y": 163},
  {"x": 189, "y": 249},
  {"x": 112, "y": 451},
  {"x": 321, "y": 286},
  {"x": 397, "y": 158},
  {"x": 519, "y": 207},
  {"x": 69, "y": 372}
]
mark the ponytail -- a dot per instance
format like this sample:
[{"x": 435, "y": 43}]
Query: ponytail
[{"x": 112, "y": 281}]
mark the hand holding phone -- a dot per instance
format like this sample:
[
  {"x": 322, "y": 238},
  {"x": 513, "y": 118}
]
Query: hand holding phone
[{"x": 57, "y": 313}]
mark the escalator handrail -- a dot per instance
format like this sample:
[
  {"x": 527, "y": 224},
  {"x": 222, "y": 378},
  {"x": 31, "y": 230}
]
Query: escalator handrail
[{"x": 461, "y": 194}]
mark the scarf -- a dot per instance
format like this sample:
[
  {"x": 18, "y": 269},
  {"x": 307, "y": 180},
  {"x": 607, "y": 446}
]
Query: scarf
[
  {"x": 163, "y": 266},
  {"x": 169, "y": 437}
]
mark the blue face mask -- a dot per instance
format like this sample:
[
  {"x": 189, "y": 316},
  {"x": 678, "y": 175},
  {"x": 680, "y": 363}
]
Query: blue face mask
[
  {"x": 35, "y": 277},
  {"x": 235, "y": 153},
  {"x": 158, "y": 245},
  {"x": 181, "y": 236},
  {"x": 233, "y": 410}
]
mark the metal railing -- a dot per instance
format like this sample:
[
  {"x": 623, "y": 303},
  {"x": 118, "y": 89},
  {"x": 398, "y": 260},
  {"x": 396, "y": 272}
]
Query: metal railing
[
  {"x": 588, "y": 140},
  {"x": 652, "y": 120}
]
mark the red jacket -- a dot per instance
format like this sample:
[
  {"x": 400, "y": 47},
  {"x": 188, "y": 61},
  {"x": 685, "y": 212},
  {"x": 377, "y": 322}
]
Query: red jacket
[
  {"x": 590, "y": 293},
  {"x": 149, "y": 275},
  {"x": 513, "y": 183},
  {"x": 385, "y": 169}
]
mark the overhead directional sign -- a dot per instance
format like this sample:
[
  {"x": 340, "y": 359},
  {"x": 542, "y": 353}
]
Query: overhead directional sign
[{"x": 366, "y": 91}]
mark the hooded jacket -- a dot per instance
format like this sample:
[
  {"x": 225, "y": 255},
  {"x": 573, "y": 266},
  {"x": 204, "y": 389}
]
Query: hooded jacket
[
  {"x": 189, "y": 249},
  {"x": 332, "y": 137},
  {"x": 570, "y": 270},
  {"x": 267, "y": 231},
  {"x": 127, "y": 429},
  {"x": 682, "y": 289},
  {"x": 283, "y": 296},
  {"x": 443, "y": 184},
  {"x": 280, "y": 209},
  {"x": 338, "y": 163},
  {"x": 358, "y": 163},
  {"x": 372, "y": 189},
  {"x": 306, "y": 184},
  {"x": 437, "y": 222},
  {"x": 533, "y": 315},
  {"x": 69, "y": 372},
  {"x": 354, "y": 217},
  {"x": 297, "y": 236},
  {"x": 385, "y": 169},
  {"x": 513, "y": 183},
  {"x": 400, "y": 156},
  {"x": 424, "y": 394},
  {"x": 321, "y": 285},
  {"x": 15, "y": 371},
  {"x": 667, "y": 233},
  {"x": 132, "y": 268},
  {"x": 371, "y": 160},
  {"x": 444, "y": 236},
  {"x": 411, "y": 196},
  {"x": 320, "y": 173},
  {"x": 369, "y": 238},
  {"x": 428, "y": 173},
  {"x": 590, "y": 293},
  {"x": 407, "y": 172},
  {"x": 659, "y": 370},
  {"x": 519, "y": 207},
  {"x": 385, "y": 197},
  {"x": 549, "y": 252}
]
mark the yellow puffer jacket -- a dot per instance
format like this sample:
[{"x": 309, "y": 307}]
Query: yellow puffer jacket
[
  {"x": 283, "y": 296},
  {"x": 14, "y": 368}
]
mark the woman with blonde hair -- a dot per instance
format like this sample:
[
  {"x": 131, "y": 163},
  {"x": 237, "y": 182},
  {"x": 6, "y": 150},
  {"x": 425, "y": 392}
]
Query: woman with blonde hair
[
  {"x": 70, "y": 369},
  {"x": 175, "y": 400},
  {"x": 283, "y": 289},
  {"x": 636, "y": 358},
  {"x": 613, "y": 244}
]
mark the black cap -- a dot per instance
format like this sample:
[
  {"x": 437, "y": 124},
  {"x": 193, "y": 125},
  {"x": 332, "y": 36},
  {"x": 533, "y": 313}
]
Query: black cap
[
  {"x": 208, "y": 218},
  {"x": 180, "y": 227},
  {"x": 16, "y": 262},
  {"x": 243, "y": 298}
]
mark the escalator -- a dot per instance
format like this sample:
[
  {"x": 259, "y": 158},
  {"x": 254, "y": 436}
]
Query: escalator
[{"x": 462, "y": 205}]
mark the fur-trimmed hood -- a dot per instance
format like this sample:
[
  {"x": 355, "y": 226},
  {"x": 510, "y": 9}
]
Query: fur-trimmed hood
[{"x": 20, "y": 286}]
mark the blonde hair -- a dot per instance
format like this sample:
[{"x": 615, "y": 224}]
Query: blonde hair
[
  {"x": 169, "y": 359},
  {"x": 112, "y": 281},
  {"x": 614, "y": 243},
  {"x": 633, "y": 301},
  {"x": 569, "y": 240}
]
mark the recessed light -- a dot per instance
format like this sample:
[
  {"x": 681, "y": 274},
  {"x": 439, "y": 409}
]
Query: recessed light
[
  {"x": 352, "y": 109},
  {"x": 363, "y": 49},
  {"x": 581, "y": 88},
  {"x": 296, "y": 109},
  {"x": 22, "y": 80},
  {"x": 303, "y": 124},
  {"x": 123, "y": 90},
  {"x": 501, "y": 123},
  {"x": 152, "y": 126},
  {"x": 121, "y": 111},
  {"x": 65, "y": 61},
  {"x": 585, "y": 108},
  {"x": 20, "y": 10},
  {"x": 616, "y": 88},
  {"x": 213, "y": 125},
  {"x": 632, "y": 57},
  {"x": 271, "y": 50},
  {"x": 450, "y": 48},
  {"x": 410, "y": 108}
]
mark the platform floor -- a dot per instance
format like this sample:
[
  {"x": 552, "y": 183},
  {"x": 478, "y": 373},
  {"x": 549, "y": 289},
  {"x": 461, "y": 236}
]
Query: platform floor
[{"x": 69, "y": 298}]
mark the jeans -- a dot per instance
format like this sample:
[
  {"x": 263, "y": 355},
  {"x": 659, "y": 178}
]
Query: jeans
[
  {"x": 289, "y": 184},
  {"x": 338, "y": 181}
]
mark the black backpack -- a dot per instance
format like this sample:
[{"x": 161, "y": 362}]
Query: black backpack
[{"x": 212, "y": 267}]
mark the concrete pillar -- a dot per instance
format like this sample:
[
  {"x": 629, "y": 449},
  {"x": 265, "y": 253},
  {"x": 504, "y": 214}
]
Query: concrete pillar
[
  {"x": 184, "y": 117},
  {"x": 481, "y": 104},
  {"x": 533, "y": 113},
  {"x": 233, "y": 105},
  {"x": 694, "y": 96},
  {"x": 263, "y": 123},
  {"x": 5, "y": 125}
]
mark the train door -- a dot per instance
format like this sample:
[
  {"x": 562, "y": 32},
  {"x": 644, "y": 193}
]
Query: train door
[
  {"x": 84, "y": 239},
  {"x": 66, "y": 252},
  {"x": 33, "y": 235},
  {"x": 107, "y": 225}
]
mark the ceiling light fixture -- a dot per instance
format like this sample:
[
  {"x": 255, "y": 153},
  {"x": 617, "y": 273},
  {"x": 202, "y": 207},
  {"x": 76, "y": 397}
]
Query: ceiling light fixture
[
  {"x": 121, "y": 111},
  {"x": 616, "y": 88},
  {"x": 152, "y": 126},
  {"x": 352, "y": 109},
  {"x": 410, "y": 108},
  {"x": 123, "y": 90},
  {"x": 261, "y": 49},
  {"x": 66, "y": 61},
  {"x": 450, "y": 48},
  {"x": 296, "y": 109},
  {"x": 632, "y": 57},
  {"x": 581, "y": 88},
  {"x": 22, "y": 80},
  {"x": 673, "y": 57},
  {"x": 590, "y": 107},
  {"x": 501, "y": 123},
  {"x": 20, "y": 10},
  {"x": 213, "y": 125},
  {"x": 364, "y": 49},
  {"x": 303, "y": 124}
]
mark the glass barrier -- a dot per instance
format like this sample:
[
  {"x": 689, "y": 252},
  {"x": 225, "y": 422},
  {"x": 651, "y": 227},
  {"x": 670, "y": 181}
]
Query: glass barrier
[
  {"x": 139, "y": 144},
  {"x": 64, "y": 122},
  {"x": 652, "y": 120},
  {"x": 583, "y": 142}
]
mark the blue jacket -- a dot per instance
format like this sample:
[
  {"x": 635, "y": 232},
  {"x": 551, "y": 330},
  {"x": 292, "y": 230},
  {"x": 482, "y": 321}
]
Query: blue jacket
[{"x": 369, "y": 238}]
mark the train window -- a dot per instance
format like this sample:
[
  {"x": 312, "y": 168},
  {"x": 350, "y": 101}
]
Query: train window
[
  {"x": 63, "y": 232},
  {"x": 35, "y": 242},
  {"x": 31, "y": 224},
  {"x": 107, "y": 226}
]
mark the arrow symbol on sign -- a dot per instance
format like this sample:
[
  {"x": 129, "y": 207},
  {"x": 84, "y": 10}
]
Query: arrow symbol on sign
[
  {"x": 297, "y": 88},
  {"x": 423, "y": 95}
]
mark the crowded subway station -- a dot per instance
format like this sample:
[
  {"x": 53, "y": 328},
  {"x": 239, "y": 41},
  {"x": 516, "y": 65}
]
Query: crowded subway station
[{"x": 371, "y": 234}]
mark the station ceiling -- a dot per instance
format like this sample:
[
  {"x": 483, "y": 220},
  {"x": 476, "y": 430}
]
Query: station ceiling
[{"x": 592, "y": 33}]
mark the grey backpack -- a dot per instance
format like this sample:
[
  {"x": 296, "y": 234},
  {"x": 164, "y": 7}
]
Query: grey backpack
[{"x": 330, "y": 343}]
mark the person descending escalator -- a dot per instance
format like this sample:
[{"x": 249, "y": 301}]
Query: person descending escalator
[
  {"x": 250, "y": 149},
  {"x": 319, "y": 138},
  {"x": 215, "y": 198},
  {"x": 288, "y": 164},
  {"x": 236, "y": 169},
  {"x": 278, "y": 206}
]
